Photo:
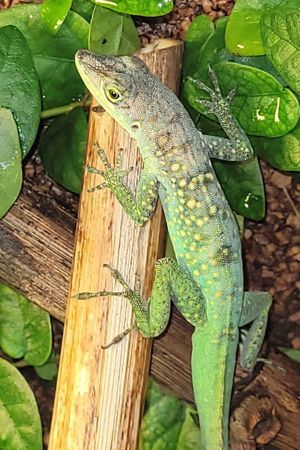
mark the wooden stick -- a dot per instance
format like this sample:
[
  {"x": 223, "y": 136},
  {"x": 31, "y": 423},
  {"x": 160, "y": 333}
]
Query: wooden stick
[{"x": 100, "y": 393}]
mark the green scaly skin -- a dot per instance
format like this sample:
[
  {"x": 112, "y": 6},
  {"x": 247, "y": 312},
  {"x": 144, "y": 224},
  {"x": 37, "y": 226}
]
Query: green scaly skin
[{"x": 206, "y": 280}]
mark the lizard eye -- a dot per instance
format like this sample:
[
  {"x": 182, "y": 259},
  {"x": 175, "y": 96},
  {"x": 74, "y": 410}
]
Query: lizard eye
[{"x": 113, "y": 94}]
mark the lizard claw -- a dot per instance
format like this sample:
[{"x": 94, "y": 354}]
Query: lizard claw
[
  {"x": 102, "y": 155},
  {"x": 207, "y": 104},
  {"x": 201, "y": 85},
  {"x": 118, "y": 277},
  {"x": 94, "y": 170},
  {"x": 230, "y": 95},
  {"x": 119, "y": 337},
  {"x": 118, "y": 162},
  {"x": 98, "y": 187},
  {"x": 214, "y": 79}
]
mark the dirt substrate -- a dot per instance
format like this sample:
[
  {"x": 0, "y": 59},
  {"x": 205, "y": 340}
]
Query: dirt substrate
[{"x": 272, "y": 256}]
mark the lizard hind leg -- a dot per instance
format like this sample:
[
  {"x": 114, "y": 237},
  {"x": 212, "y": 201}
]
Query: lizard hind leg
[
  {"x": 255, "y": 309},
  {"x": 152, "y": 316}
]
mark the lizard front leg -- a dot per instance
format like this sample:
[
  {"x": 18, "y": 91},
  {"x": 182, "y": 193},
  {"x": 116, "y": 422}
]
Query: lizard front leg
[
  {"x": 255, "y": 309},
  {"x": 238, "y": 148},
  {"x": 139, "y": 208},
  {"x": 152, "y": 317}
]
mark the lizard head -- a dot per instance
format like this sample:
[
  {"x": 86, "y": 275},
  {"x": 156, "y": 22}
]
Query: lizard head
[{"x": 116, "y": 82}]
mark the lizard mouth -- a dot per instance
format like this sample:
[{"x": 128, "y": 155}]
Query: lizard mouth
[{"x": 88, "y": 62}]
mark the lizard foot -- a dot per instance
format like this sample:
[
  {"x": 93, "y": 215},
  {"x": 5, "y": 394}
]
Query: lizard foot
[
  {"x": 127, "y": 292},
  {"x": 217, "y": 105},
  {"x": 119, "y": 337},
  {"x": 109, "y": 174},
  {"x": 118, "y": 277},
  {"x": 97, "y": 172}
]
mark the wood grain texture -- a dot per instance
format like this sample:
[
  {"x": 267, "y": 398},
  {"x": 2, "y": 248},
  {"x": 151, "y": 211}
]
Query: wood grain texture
[
  {"x": 100, "y": 393},
  {"x": 36, "y": 248}
]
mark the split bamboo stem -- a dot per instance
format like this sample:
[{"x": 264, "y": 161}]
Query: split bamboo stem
[{"x": 100, "y": 393}]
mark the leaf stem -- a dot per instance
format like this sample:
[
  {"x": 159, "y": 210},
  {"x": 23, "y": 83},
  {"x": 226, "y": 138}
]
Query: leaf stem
[{"x": 47, "y": 113}]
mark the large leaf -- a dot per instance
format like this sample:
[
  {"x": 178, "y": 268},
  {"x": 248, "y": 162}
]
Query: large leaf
[
  {"x": 54, "y": 13},
  {"x": 168, "y": 423},
  {"x": 280, "y": 31},
  {"x": 20, "y": 424},
  {"x": 243, "y": 31},
  {"x": 241, "y": 182},
  {"x": 62, "y": 149},
  {"x": 292, "y": 353},
  {"x": 213, "y": 52},
  {"x": 10, "y": 161},
  {"x": 19, "y": 84},
  {"x": 196, "y": 35},
  {"x": 48, "y": 371},
  {"x": 282, "y": 152},
  {"x": 112, "y": 33},
  {"x": 261, "y": 105},
  {"x": 25, "y": 329},
  {"x": 84, "y": 8},
  {"x": 53, "y": 55},
  {"x": 139, "y": 7}
]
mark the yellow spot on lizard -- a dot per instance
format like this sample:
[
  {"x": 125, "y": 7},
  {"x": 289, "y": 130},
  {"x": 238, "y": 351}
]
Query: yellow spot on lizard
[{"x": 191, "y": 203}]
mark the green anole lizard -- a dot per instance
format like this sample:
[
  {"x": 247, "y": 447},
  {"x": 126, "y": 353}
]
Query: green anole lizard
[{"x": 206, "y": 279}]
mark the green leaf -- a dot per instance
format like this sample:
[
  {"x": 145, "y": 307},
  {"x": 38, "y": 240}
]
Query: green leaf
[
  {"x": 261, "y": 105},
  {"x": 282, "y": 152},
  {"x": 83, "y": 7},
  {"x": 291, "y": 353},
  {"x": 19, "y": 416},
  {"x": 280, "y": 31},
  {"x": 168, "y": 423},
  {"x": 19, "y": 84},
  {"x": 243, "y": 30},
  {"x": 169, "y": 251},
  {"x": 243, "y": 186},
  {"x": 196, "y": 35},
  {"x": 62, "y": 149},
  {"x": 213, "y": 52},
  {"x": 139, "y": 7},
  {"x": 25, "y": 329},
  {"x": 10, "y": 161},
  {"x": 48, "y": 371},
  {"x": 54, "y": 13},
  {"x": 260, "y": 62},
  {"x": 53, "y": 55},
  {"x": 189, "y": 438},
  {"x": 112, "y": 33}
]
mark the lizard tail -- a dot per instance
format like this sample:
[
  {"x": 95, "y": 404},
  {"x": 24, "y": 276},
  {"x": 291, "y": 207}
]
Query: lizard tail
[{"x": 212, "y": 385}]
